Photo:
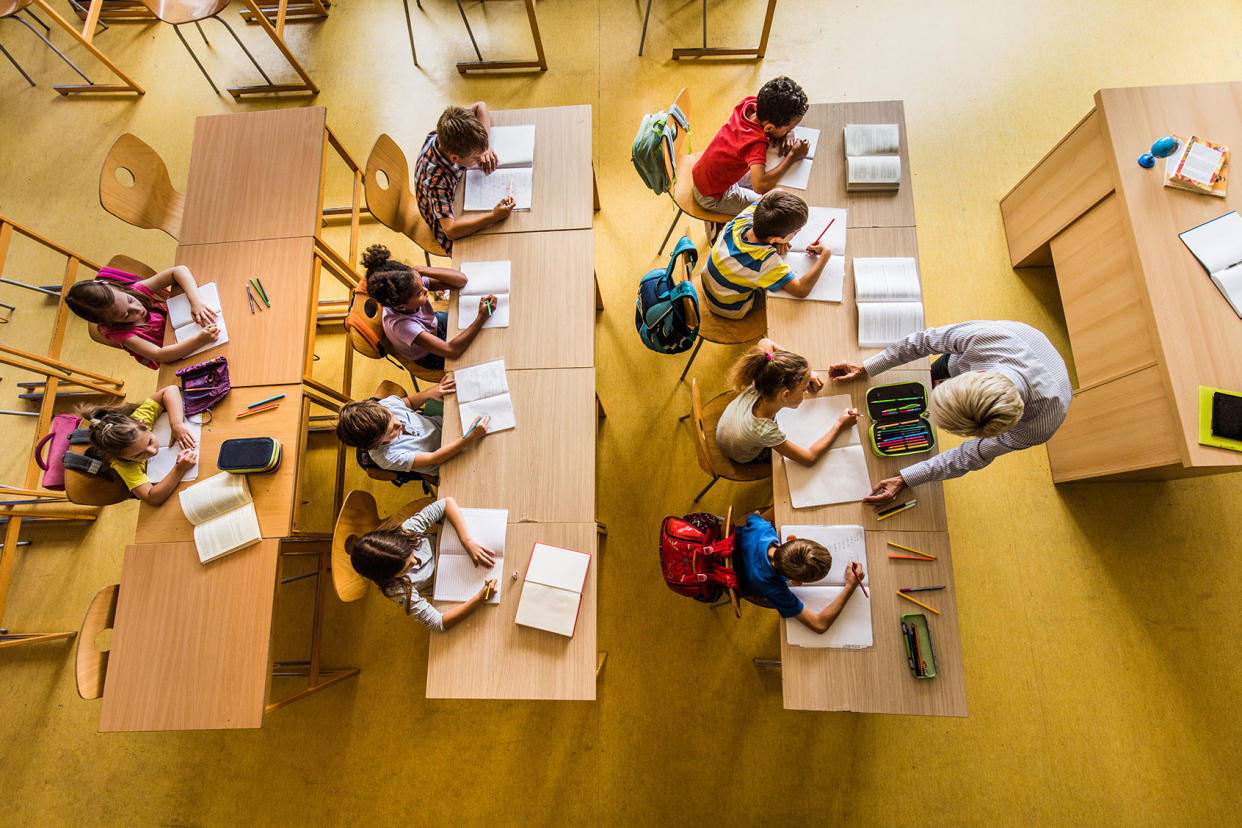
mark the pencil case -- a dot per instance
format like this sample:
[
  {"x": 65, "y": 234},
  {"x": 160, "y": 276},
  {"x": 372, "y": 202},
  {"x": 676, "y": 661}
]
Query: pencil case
[
  {"x": 919, "y": 653},
  {"x": 899, "y": 424},
  {"x": 249, "y": 455}
]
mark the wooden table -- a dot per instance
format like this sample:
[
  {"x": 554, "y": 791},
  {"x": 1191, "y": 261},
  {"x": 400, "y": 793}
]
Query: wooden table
[
  {"x": 563, "y": 195},
  {"x": 1109, "y": 228}
]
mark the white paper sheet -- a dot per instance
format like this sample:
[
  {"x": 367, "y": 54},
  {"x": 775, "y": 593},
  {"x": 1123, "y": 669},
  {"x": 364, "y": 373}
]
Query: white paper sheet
[
  {"x": 514, "y": 145},
  {"x": 183, "y": 325},
  {"x": 1217, "y": 244},
  {"x": 484, "y": 390},
  {"x": 851, "y": 629},
  {"x": 556, "y": 567},
  {"x": 847, "y": 544},
  {"x": 162, "y": 463},
  {"x": 484, "y": 279},
  {"x": 829, "y": 287},
  {"x": 798, "y": 176},
  {"x": 484, "y": 191},
  {"x": 880, "y": 324},
  {"x": 841, "y": 474},
  {"x": 457, "y": 578},
  {"x": 817, "y": 219},
  {"x": 548, "y": 608}
]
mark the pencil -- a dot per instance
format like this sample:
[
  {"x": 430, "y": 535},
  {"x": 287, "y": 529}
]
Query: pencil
[
  {"x": 856, "y": 568},
  {"x": 259, "y": 284},
  {"x": 920, "y": 603},
  {"x": 908, "y": 549},
  {"x": 265, "y": 402},
  {"x": 477, "y": 420},
  {"x": 250, "y": 411},
  {"x": 887, "y": 513},
  {"x": 919, "y": 589},
  {"x": 250, "y": 299},
  {"x": 487, "y": 303},
  {"x": 825, "y": 230},
  {"x": 487, "y": 591},
  {"x": 912, "y": 558}
]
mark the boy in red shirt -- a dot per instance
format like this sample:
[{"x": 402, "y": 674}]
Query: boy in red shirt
[{"x": 730, "y": 176}]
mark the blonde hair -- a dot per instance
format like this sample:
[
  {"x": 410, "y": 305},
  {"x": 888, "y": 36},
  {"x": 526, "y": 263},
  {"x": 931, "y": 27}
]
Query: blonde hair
[
  {"x": 111, "y": 428},
  {"x": 977, "y": 404},
  {"x": 770, "y": 372}
]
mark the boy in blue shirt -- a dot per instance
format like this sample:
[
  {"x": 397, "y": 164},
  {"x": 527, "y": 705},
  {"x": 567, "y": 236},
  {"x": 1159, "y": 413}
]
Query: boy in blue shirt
[{"x": 766, "y": 567}]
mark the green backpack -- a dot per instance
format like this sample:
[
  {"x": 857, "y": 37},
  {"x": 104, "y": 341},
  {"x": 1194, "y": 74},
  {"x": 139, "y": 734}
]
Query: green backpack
[{"x": 655, "y": 136}]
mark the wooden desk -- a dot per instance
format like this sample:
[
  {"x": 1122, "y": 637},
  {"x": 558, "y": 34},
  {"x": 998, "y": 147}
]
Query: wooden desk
[
  {"x": 551, "y": 316},
  {"x": 1146, "y": 324},
  {"x": 488, "y": 656},
  {"x": 563, "y": 193}
]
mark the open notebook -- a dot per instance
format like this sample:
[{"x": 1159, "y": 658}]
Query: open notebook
[
  {"x": 552, "y": 591},
  {"x": 841, "y": 475},
  {"x": 183, "y": 325},
  {"x": 161, "y": 464},
  {"x": 1217, "y": 245},
  {"x": 515, "y": 173},
  {"x": 223, "y": 515},
  {"x": 484, "y": 279},
  {"x": 852, "y": 628},
  {"x": 831, "y": 282},
  {"x": 457, "y": 578},
  {"x": 797, "y": 176},
  {"x": 889, "y": 299},
  {"x": 484, "y": 390}
]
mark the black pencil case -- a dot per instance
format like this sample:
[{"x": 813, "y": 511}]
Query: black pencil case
[{"x": 249, "y": 455}]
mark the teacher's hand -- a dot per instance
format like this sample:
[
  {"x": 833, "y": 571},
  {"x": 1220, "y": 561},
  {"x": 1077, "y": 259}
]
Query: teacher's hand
[
  {"x": 885, "y": 492},
  {"x": 844, "y": 371}
]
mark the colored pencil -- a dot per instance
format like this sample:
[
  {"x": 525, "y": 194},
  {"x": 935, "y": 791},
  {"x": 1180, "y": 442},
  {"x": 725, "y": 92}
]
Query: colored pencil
[
  {"x": 265, "y": 402},
  {"x": 908, "y": 549},
  {"x": 919, "y": 589},
  {"x": 887, "y": 513},
  {"x": 487, "y": 591},
  {"x": 911, "y": 558},
  {"x": 250, "y": 299},
  {"x": 477, "y": 420},
  {"x": 920, "y": 603},
  {"x": 250, "y": 411},
  {"x": 858, "y": 571},
  {"x": 825, "y": 230},
  {"x": 259, "y": 284}
]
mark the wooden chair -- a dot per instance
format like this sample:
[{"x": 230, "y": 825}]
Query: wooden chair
[
  {"x": 722, "y": 331},
  {"x": 88, "y": 490},
  {"x": 150, "y": 200},
  {"x": 679, "y": 167},
  {"x": 387, "y": 183},
  {"x": 92, "y": 664},
  {"x": 712, "y": 460},
  {"x": 358, "y": 516},
  {"x": 371, "y": 310},
  {"x": 10, "y": 8},
  {"x": 730, "y": 596},
  {"x": 179, "y": 12}
]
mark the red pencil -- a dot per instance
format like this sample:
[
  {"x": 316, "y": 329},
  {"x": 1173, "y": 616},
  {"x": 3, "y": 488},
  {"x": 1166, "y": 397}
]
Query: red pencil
[
  {"x": 821, "y": 235},
  {"x": 855, "y": 567}
]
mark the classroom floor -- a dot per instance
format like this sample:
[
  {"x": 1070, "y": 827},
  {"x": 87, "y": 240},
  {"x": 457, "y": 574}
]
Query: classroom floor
[{"x": 1101, "y": 672}]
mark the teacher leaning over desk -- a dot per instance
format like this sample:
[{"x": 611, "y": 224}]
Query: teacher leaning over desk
[{"x": 999, "y": 382}]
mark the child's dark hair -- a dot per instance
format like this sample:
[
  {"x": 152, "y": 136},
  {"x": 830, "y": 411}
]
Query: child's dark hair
[
  {"x": 112, "y": 429},
  {"x": 778, "y": 214},
  {"x": 780, "y": 100},
  {"x": 379, "y": 556},
  {"x": 802, "y": 560},
  {"x": 362, "y": 424},
  {"x": 389, "y": 281},
  {"x": 89, "y": 299},
  {"x": 460, "y": 132},
  {"x": 770, "y": 372}
]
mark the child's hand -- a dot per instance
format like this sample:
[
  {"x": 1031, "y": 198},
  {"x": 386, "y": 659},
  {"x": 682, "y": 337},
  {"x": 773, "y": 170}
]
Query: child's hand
[
  {"x": 844, "y": 371},
  {"x": 488, "y": 161},
  {"x": 477, "y": 429},
  {"x": 489, "y": 588},
  {"x": 446, "y": 386},
  {"x": 799, "y": 150},
  {"x": 202, "y": 314},
  {"x": 503, "y": 208},
  {"x": 848, "y": 417},
  {"x": 480, "y": 554},
  {"x": 209, "y": 333},
  {"x": 782, "y": 248},
  {"x": 182, "y": 436},
  {"x": 487, "y": 306},
  {"x": 815, "y": 385},
  {"x": 854, "y": 574},
  {"x": 816, "y": 249},
  {"x": 186, "y": 459}
]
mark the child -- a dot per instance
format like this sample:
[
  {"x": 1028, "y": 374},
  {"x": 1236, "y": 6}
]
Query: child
[
  {"x": 398, "y": 437},
  {"x": 412, "y": 327},
  {"x": 129, "y": 312},
  {"x": 730, "y": 173},
  {"x": 770, "y": 379},
  {"x": 766, "y": 567},
  {"x": 460, "y": 142},
  {"x": 122, "y": 435},
  {"x": 746, "y": 259},
  {"x": 403, "y": 564}
]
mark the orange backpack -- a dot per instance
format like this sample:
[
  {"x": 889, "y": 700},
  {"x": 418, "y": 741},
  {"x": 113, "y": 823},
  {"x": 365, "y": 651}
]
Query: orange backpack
[{"x": 364, "y": 324}]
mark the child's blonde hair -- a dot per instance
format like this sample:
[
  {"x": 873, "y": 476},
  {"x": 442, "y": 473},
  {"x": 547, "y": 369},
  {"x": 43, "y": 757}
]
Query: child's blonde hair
[
  {"x": 770, "y": 373},
  {"x": 362, "y": 424},
  {"x": 802, "y": 560},
  {"x": 977, "y": 404},
  {"x": 111, "y": 428}
]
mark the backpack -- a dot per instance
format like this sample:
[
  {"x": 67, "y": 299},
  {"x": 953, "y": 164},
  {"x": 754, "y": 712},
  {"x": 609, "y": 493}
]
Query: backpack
[
  {"x": 57, "y": 440},
  {"x": 692, "y": 557},
  {"x": 364, "y": 324},
  {"x": 667, "y": 314},
  {"x": 655, "y": 136}
]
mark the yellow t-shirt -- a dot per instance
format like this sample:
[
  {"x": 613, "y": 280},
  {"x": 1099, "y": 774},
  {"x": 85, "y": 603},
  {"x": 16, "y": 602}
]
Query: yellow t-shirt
[{"x": 133, "y": 473}]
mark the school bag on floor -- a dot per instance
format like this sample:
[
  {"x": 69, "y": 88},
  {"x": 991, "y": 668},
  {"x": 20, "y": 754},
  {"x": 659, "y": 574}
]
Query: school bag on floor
[
  {"x": 655, "y": 138},
  {"x": 667, "y": 312},
  {"x": 692, "y": 557}
]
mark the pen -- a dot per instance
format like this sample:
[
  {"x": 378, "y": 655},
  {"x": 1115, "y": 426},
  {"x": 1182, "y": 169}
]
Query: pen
[
  {"x": 250, "y": 299},
  {"x": 858, "y": 574},
  {"x": 912, "y": 558},
  {"x": 487, "y": 303},
  {"x": 920, "y": 603},
  {"x": 892, "y": 510},
  {"x": 262, "y": 291},
  {"x": 919, "y": 589},
  {"x": 825, "y": 230}
]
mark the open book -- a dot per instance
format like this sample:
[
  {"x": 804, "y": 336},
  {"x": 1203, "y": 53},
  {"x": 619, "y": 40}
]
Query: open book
[
  {"x": 183, "y": 325},
  {"x": 223, "y": 515},
  {"x": 831, "y": 283},
  {"x": 1217, "y": 245},
  {"x": 457, "y": 578},
  {"x": 889, "y": 299},
  {"x": 484, "y": 279},
  {"x": 872, "y": 161},
  {"x": 514, "y": 175},
  {"x": 484, "y": 390},
  {"x": 841, "y": 475},
  {"x": 852, "y": 628},
  {"x": 161, "y": 464},
  {"x": 797, "y": 176},
  {"x": 552, "y": 591},
  {"x": 1198, "y": 166}
]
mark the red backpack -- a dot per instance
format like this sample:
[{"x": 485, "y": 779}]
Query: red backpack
[{"x": 693, "y": 556}]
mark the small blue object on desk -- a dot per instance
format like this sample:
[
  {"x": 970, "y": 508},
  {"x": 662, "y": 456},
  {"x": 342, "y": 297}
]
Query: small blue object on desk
[
  {"x": 1164, "y": 146},
  {"x": 1146, "y": 160}
]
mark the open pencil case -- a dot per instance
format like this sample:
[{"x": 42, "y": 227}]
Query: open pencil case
[
  {"x": 919, "y": 654},
  {"x": 899, "y": 424}
]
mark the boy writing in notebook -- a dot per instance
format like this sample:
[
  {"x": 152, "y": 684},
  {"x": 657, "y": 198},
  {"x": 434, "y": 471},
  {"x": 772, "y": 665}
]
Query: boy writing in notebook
[
  {"x": 731, "y": 174},
  {"x": 746, "y": 258},
  {"x": 460, "y": 142}
]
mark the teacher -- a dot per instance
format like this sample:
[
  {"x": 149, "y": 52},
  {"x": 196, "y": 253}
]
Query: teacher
[{"x": 999, "y": 382}]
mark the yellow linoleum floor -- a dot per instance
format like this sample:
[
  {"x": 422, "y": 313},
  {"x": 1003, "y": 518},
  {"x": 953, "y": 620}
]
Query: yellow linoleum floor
[{"x": 1098, "y": 620}]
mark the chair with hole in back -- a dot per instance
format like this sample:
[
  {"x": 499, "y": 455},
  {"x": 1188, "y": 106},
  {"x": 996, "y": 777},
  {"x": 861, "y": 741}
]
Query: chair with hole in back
[
  {"x": 703, "y": 420},
  {"x": 722, "y": 331},
  {"x": 177, "y": 13},
  {"x": 387, "y": 183},
  {"x": 679, "y": 168},
  {"x": 150, "y": 200},
  {"x": 358, "y": 516},
  {"x": 91, "y": 664}
]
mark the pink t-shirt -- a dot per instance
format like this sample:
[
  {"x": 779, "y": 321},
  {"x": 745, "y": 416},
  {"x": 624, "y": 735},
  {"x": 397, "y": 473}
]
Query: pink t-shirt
[
  {"x": 151, "y": 329},
  {"x": 740, "y": 143},
  {"x": 401, "y": 328}
]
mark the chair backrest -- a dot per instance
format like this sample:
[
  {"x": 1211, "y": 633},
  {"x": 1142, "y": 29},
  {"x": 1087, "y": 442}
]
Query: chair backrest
[
  {"x": 150, "y": 201},
  {"x": 387, "y": 183},
  {"x": 696, "y": 423},
  {"x": 177, "y": 12},
  {"x": 12, "y": 7},
  {"x": 682, "y": 102},
  {"x": 358, "y": 516},
  {"x": 92, "y": 664}
]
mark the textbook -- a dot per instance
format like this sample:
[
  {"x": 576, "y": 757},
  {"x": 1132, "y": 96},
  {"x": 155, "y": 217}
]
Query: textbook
[
  {"x": 552, "y": 590},
  {"x": 162, "y": 463},
  {"x": 872, "y": 160},
  {"x": 223, "y": 515},
  {"x": 831, "y": 283},
  {"x": 183, "y": 325},
  {"x": 797, "y": 176},
  {"x": 457, "y": 578},
  {"x": 852, "y": 629},
  {"x": 1217, "y": 245},
  {"x": 515, "y": 155},
  {"x": 889, "y": 299},
  {"x": 1198, "y": 166},
  {"x": 484, "y": 390},
  {"x": 841, "y": 474},
  {"x": 484, "y": 279}
]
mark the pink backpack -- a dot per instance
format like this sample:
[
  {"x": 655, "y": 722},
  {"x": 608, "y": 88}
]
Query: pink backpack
[
  {"x": 693, "y": 557},
  {"x": 57, "y": 441}
]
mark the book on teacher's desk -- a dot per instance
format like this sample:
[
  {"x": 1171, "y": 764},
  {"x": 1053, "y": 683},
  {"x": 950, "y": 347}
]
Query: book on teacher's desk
[
  {"x": 1198, "y": 166},
  {"x": 222, "y": 511}
]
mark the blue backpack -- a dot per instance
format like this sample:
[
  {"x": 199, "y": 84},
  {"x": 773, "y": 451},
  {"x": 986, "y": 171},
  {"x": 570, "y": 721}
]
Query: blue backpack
[
  {"x": 655, "y": 136},
  {"x": 667, "y": 313}
]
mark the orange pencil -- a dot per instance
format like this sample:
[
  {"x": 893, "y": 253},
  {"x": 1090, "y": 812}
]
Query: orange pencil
[
  {"x": 825, "y": 230},
  {"x": 920, "y": 603}
]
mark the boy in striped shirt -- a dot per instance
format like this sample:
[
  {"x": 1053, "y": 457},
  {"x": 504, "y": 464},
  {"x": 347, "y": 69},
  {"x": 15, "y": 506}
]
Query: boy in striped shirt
[{"x": 747, "y": 258}]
